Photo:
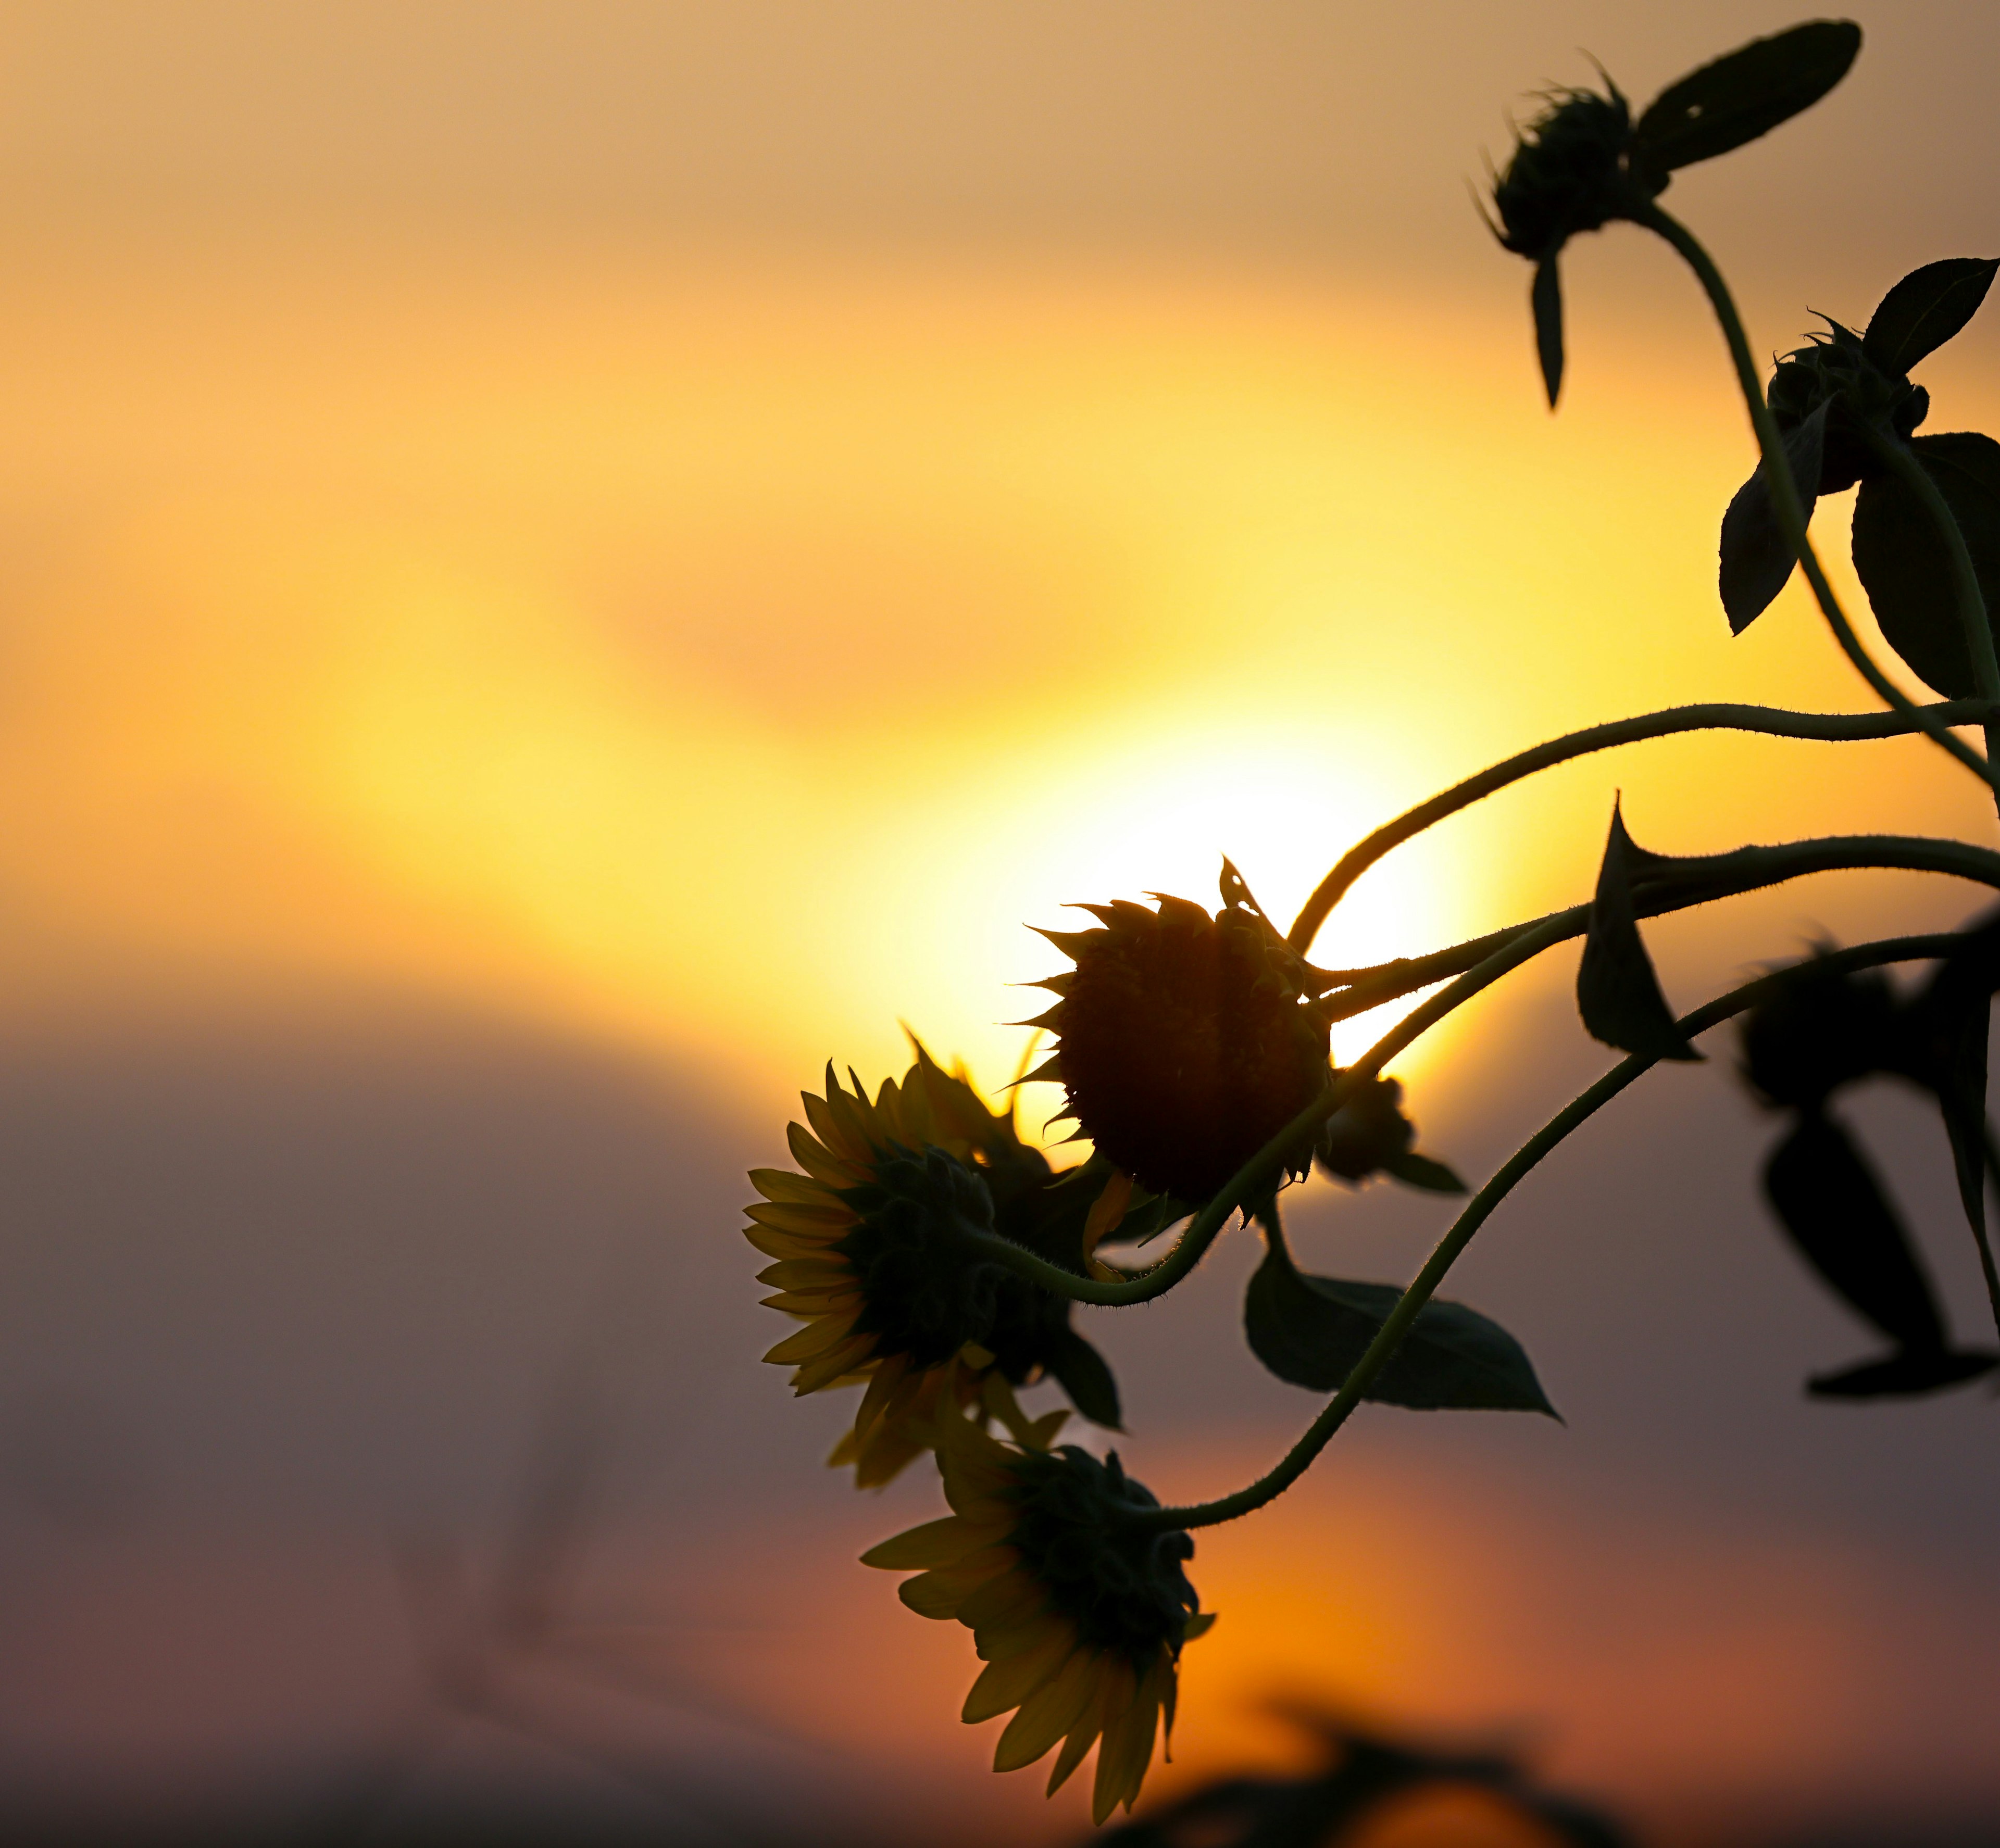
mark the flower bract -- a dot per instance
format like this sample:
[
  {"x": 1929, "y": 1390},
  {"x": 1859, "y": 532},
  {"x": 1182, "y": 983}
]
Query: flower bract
[{"x": 1077, "y": 1609}]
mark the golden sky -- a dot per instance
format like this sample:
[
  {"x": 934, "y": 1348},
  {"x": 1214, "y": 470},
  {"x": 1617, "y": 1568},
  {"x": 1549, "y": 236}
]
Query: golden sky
[{"x": 690, "y": 526}]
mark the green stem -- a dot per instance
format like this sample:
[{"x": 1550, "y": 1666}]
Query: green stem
[
  {"x": 1571, "y": 1116},
  {"x": 1784, "y": 491},
  {"x": 1970, "y": 598},
  {"x": 1979, "y": 1232},
  {"x": 1671, "y": 886},
  {"x": 1831, "y": 727}
]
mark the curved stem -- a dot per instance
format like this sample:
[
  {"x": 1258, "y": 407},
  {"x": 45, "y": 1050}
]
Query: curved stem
[
  {"x": 1784, "y": 491},
  {"x": 1571, "y": 1116},
  {"x": 1829, "y": 727},
  {"x": 1986, "y": 1268},
  {"x": 1667, "y": 885},
  {"x": 1970, "y": 598}
]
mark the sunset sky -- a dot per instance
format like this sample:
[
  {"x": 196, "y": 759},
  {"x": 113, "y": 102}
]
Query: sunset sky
[{"x": 564, "y": 564}]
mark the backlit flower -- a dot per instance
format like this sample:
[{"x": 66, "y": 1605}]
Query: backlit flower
[
  {"x": 1077, "y": 1609},
  {"x": 882, "y": 1248},
  {"x": 1184, "y": 1042}
]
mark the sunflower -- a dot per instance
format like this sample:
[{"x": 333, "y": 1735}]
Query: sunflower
[
  {"x": 1079, "y": 1612},
  {"x": 1184, "y": 1042},
  {"x": 877, "y": 1250}
]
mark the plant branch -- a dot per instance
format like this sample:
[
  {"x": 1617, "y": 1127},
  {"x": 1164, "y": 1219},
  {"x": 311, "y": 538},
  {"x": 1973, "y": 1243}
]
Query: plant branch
[
  {"x": 1578, "y": 1111},
  {"x": 1667, "y": 885},
  {"x": 1785, "y": 501},
  {"x": 1770, "y": 721}
]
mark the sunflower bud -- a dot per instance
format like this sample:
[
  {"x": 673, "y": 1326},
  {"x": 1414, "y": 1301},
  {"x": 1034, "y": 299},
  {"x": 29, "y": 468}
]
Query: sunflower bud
[
  {"x": 1184, "y": 1042},
  {"x": 1836, "y": 371},
  {"x": 1820, "y": 1031},
  {"x": 1571, "y": 171}
]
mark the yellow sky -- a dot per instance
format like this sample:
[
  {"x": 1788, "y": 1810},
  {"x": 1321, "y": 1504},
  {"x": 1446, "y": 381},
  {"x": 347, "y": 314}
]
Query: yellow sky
[{"x": 733, "y": 651}]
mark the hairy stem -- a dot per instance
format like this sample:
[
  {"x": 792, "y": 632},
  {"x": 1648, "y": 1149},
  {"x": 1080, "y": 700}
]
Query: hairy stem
[
  {"x": 1830, "y": 727},
  {"x": 1784, "y": 491},
  {"x": 1578, "y": 1111},
  {"x": 1669, "y": 885}
]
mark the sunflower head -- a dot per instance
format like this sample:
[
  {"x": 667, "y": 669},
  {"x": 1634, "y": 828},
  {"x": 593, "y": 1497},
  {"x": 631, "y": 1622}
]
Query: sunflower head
[
  {"x": 1185, "y": 1042},
  {"x": 1571, "y": 171},
  {"x": 882, "y": 1248},
  {"x": 1078, "y": 1608}
]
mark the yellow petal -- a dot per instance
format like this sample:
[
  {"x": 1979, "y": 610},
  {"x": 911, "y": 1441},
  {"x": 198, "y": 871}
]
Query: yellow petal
[
  {"x": 1126, "y": 1749},
  {"x": 1016, "y": 1598},
  {"x": 817, "y": 1162},
  {"x": 783, "y": 1245},
  {"x": 807, "y": 1273},
  {"x": 808, "y": 1221},
  {"x": 1107, "y": 1210},
  {"x": 1082, "y": 1736},
  {"x": 835, "y": 1367},
  {"x": 936, "y": 1543},
  {"x": 1009, "y": 1680},
  {"x": 811, "y": 1342},
  {"x": 1049, "y": 1713},
  {"x": 781, "y": 1185}
]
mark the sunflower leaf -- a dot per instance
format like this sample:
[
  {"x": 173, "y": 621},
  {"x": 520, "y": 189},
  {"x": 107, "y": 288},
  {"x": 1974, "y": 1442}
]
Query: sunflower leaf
[
  {"x": 1827, "y": 1199},
  {"x": 1617, "y": 993},
  {"x": 1080, "y": 1370},
  {"x": 1418, "y": 1171},
  {"x": 1311, "y": 1330},
  {"x": 1744, "y": 94},
  {"x": 1756, "y": 560},
  {"x": 1545, "y": 298},
  {"x": 1902, "y": 559},
  {"x": 1925, "y": 309}
]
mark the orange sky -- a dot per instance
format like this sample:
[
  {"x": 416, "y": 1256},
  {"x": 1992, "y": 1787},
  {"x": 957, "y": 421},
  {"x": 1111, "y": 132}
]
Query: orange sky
[{"x": 685, "y": 528}]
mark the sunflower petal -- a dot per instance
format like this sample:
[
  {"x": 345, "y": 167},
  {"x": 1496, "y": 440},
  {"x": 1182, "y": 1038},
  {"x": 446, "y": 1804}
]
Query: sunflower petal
[
  {"x": 1007, "y": 1682},
  {"x": 1049, "y": 1715},
  {"x": 936, "y": 1543}
]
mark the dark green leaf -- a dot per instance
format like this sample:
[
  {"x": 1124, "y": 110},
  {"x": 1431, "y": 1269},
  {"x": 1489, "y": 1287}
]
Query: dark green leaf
[
  {"x": 1545, "y": 298},
  {"x": 1617, "y": 992},
  {"x": 1755, "y": 559},
  {"x": 1902, "y": 560},
  {"x": 1949, "y": 1025},
  {"x": 1925, "y": 309},
  {"x": 1080, "y": 1371},
  {"x": 1745, "y": 95},
  {"x": 1414, "y": 1169},
  {"x": 1827, "y": 1198},
  {"x": 1311, "y": 1330},
  {"x": 1903, "y": 1375}
]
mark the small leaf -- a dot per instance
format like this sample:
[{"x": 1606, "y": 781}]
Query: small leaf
[
  {"x": 1756, "y": 559},
  {"x": 1903, "y": 564},
  {"x": 1546, "y": 299},
  {"x": 1617, "y": 992},
  {"x": 1827, "y": 1199},
  {"x": 1080, "y": 1371},
  {"x": 1949, "y": 1025},
  {"x": 1744, "y": 94},
  {"x": 1311, "y": 1331},
  {"x": 1903, "y": 1375},
  {"x": 1925, "y": 309},
  {"x": 1418, "y": 1171}
]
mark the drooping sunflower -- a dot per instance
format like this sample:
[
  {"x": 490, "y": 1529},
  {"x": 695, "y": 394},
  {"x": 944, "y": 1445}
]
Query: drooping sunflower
[
  {"x": 1184, "y": 1042},
  {"x": 877, "y": 1250},
  {"x": 1078, "y": 1610}
]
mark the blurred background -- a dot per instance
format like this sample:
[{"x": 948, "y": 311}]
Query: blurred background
[{"x": 564, "y": 564}]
